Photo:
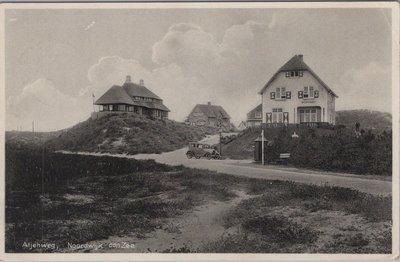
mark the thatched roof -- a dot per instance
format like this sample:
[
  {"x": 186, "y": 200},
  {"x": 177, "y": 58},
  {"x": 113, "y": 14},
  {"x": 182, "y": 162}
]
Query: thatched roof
[
  {"x": 212, "y": 110},
  {"x": 126, "y": 95},
  {"x": 115, "y": 95},
  {"x": 137, "y": 90}
]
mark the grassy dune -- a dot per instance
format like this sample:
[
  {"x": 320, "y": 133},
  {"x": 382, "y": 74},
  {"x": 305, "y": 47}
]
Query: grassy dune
[{"x": 85, "y": 199}]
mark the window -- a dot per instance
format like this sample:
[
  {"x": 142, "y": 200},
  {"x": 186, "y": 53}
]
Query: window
[
  {"x": 308, "y": 92},
  {"x": 277, "y": 115},
  {"x": 294, "y": 73},
  {"x": 130, "y": 108},
  {"x": 281, "y": 93},
  {"x": 258, "y": 114},
  {"x": 308, "y": 115}
]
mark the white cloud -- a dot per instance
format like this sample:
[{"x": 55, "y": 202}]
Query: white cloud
[
  {"x": 366, "y": 87},
  {"x": 240, "y": 38},
  {"x": 46, "y": 105},
  {"x": 192, "y": 68},
  {"x": 188, "y": 46}
]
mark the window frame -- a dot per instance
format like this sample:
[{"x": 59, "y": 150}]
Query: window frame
[
  {"x": 277, "y": 115},
  {"x": 308, "y": 92}
]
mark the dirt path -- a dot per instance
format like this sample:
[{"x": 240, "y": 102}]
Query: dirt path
[{"x": 190, "y": 231}]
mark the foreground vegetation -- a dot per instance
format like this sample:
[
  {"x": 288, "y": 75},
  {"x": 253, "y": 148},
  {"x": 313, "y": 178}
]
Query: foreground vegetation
[
  {"x": 121, "y": 133},
  {"x": 61, "y": 199},
  {"x": 332, "y": 149}
]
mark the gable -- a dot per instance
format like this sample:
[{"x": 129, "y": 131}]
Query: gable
[
  {"x": 295, "y": 85},
  {"x": 252, "y": 113},
  {"x": 296, "y": 63}
]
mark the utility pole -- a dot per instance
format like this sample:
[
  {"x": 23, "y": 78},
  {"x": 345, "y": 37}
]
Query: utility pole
[
  {"x": 93, "y": 102},
  {"x": 33, "y": 126},
  {"x": 262, "y": 145},
  {"x": 219, "y": 123}
]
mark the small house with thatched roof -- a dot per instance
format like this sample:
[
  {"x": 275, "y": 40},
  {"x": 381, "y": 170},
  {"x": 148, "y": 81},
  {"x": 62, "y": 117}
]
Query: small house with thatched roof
[
  {"x": 209, "y": 115},
  {"x": 132, "y": 98}
]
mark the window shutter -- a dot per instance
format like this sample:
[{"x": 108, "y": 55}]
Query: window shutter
[
  {"x": 300, "y": 94},
  {"x": 269, "y": 118},
  {"x": 316, "y": 94},
  {"x": 272, "y": 95},
  {"x": 288, "y": 95},
  {"x": 285, "y": 117}
]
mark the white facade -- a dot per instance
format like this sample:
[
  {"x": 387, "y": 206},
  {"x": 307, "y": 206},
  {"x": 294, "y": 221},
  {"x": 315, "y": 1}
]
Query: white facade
[{"x": 296, "y": 99}]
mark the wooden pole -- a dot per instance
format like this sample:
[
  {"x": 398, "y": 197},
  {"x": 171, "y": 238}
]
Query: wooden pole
[
  {"x": 220, "y": 143},
  {"x": 33, "y": 126},
  {"x": 262, "y": 146},
  {"x": 93, "y": 103}
]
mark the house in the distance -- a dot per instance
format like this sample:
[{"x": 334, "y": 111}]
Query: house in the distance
[
  {"x": 296, "y": 94},
  {"x": 242, "y": 126},
  {"x": 131, "y": 98},
  {"x": 209, "y": 115},
  {"x": 254, "y": 117}
]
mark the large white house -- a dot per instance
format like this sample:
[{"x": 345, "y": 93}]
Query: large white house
[{"x": 295, "y": 94}]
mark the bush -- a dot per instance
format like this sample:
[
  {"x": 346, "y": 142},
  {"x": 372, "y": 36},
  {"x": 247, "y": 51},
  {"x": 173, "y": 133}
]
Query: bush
[{"x": 335, "y": 150}]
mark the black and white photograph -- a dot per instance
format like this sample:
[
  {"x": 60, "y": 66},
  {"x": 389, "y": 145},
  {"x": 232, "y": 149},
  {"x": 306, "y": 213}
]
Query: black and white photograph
[{"x": 211, "y": 128}]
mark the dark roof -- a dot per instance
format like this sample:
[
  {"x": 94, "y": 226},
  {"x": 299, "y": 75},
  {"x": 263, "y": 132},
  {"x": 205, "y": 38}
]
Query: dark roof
[
  {"x": 296, "y": 63},
  {"x": 115, "y": 95},
  {"x": 125, "y": 95},
  {"x": 137, "y": 90},
  {"x": 251, "y": 114},
  {"x": 212, "y": 110},
  {"x": 152, "y": 105}
]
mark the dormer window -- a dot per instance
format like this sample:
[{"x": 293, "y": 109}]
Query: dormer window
[{"x": 294, "y": 73}]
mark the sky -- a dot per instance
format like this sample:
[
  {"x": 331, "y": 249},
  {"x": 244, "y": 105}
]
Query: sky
[{"x": 56, "y": 59}]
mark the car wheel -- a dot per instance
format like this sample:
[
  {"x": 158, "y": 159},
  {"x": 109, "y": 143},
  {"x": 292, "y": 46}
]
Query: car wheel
[
  {"x": 208, "y": 156},
  {"x": 189, "y": 155}
]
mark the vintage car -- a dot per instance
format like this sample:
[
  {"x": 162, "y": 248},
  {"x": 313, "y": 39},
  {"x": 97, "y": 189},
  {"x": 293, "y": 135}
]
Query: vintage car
[{"x": 198, "y": 150}]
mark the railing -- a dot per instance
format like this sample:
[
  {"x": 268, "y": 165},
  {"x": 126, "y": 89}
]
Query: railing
[{"x": 304, "y": 124}]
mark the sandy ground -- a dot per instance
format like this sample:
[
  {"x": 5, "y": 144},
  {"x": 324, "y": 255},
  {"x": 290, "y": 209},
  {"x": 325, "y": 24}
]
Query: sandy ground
[{"x": 190, "y": 230}]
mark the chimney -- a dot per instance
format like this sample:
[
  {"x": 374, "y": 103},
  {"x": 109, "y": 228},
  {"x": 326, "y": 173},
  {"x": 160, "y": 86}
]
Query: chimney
[
  {"x": 128, "y": 79},
  {"x": 300, "y": 56},
  {"x": 209, "y": 103},
  {"x": 141, "y": 82}
]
